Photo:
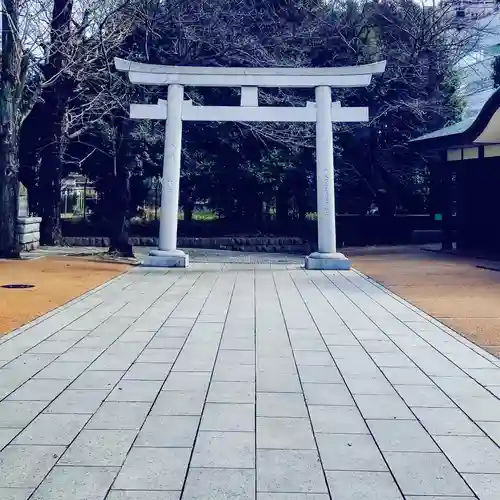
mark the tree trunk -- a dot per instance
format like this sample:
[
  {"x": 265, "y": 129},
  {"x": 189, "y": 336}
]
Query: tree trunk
[
  {"x": 119, "y": 198},
  {"x": 50, "y": 187},
  {"x": 10, "y": 88},
  {"x": 9, "y": 189},
  {"x": 55, "y": 96},
  {"x": 188, "y": 211},
  {"x": 282, "y": 205},
  {"x": 118, "y": 210}
]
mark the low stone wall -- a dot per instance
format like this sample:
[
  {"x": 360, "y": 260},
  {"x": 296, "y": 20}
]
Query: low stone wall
[
  {"x": 250, "y": 244},
  {"x": 28, "y": 231}
]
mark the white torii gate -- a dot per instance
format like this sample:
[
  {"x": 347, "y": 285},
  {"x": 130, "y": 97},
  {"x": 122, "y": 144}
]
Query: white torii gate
[{"x": 175, "y": 110}]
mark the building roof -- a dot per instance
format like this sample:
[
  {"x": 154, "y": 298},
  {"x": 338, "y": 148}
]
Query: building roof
[{"x": 481, "y": 128}]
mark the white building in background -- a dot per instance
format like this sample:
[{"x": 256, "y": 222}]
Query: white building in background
[{"x": 475, "y": 69}]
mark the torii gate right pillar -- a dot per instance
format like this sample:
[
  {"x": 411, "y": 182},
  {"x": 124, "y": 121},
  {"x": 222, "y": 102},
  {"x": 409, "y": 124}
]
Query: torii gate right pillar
[{"x": 326, "y": 257}]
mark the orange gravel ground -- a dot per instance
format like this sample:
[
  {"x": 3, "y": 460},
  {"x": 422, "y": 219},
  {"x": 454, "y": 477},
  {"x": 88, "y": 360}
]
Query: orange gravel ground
[
  {"x": 449, "y": 288},
  {"x": 57, "y": 280}
]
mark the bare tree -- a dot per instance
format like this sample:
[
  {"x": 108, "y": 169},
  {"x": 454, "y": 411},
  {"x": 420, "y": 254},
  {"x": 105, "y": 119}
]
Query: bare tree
[{"x": 12, "y": 82}]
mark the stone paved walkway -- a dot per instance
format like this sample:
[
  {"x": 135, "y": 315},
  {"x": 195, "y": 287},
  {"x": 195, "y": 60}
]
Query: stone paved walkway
[{"x": 246, "y": 381}]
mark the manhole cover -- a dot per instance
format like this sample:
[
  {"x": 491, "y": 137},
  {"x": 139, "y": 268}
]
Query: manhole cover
[{"x": 18, "y": 285}]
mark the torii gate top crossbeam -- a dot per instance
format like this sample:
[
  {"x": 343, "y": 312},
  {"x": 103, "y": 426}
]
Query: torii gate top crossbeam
[{"x": 201, "y": 76}]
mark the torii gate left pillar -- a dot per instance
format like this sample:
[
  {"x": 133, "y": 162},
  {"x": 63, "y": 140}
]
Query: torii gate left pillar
[{"x": 323, "y": 112}]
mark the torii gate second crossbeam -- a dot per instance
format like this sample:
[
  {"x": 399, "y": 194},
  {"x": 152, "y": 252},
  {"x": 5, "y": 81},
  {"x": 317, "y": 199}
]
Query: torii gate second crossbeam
[{"x": 323, "y": 112}]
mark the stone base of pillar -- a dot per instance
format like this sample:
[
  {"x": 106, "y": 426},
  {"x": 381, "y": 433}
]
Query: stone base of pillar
[
  {"x": 328, "y": 261},
  {"x": 166, "y": 258}
]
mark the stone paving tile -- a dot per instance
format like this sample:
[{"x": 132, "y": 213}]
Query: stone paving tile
[
  {"x": 153, "y": 469},
  {"x": 166, "y": 343},
  {"x": 363, "y": 385},
  {"x": 401, "y": 435},
  {"x": 349, "y": 452},
  {"x": 392, "y": 360},
  {"x": 235, "y": 450},
  {"x": 319, "y": 374},
  {"x": 231, "y": 392},
  {"x": 278, "y": 364},
  {"x": 97, "y": 380},
  {"x": 269, "y": 381},
  {"x": 460, "y": 386},
  {"x": 7, "y": 435},
  {"x": 15, "y": 493},
  {"x": 26, "y": 466},
  {"x": 219, "y": 484},
  {"x": 292, "y": 496},
  {"x": 340, "y": 340},
  {"x": 102, "y": 447},
  {"x": 474, "y": 454},
  {"x": 485, "y": 486},
  {"x": 148, "y": 371},
  {"x": 60, "y": 370},
  {"x": 447, "y": 497},
  {"x": 491, "y": 429},
  {"x": 486, "y": 409},
  {"x": 337, "y": 420},
  {"x": 275, "y": 404},
  {"x": 119, "y": 415},
  {"x": 77, "y": 483},
  {"x": 18, "y": 414},
  {"x": 179, "y": 403},
  {"x": 285, "y": 433},
  {"x": 327, "y": 394},
  {"x": 168, "y": 431},
  {"x": 313, "y": 358},
  {"x": 426, "y": 474},
  {"x": 235, "y": 356},
  {"x": 52, "y": 429},
  {"x": 237, "y": 343},
  {"x": 143, "y": 495},
  {"x": 78, "y": 401},
  {"x": 52, "y": 347},
  {"x": 350, "y": 485},
  {"x": 136, "y": 391},
  {"x": 233, "y": 373},
  {"x": 187, "y": 381},
  {"x": 406, "y": 376},
  {"x": 447, "y": 421},
  {"x": 425, "y": 396},
  {"x": 158, "y": 356},
  {"x": 39, "y": 390},
  {"x": 382, "y": 407},
  {"x": 80, "y": 354},
  {"x": 228, "y": 417},
  {"x": 346, "y": 351},
  {"x": 295, "y": 471}
]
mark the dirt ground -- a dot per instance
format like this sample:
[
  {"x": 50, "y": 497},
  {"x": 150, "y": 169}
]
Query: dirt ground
[
  {"x": 57, "y": 280},
  {"x": 452, "y": 289}
]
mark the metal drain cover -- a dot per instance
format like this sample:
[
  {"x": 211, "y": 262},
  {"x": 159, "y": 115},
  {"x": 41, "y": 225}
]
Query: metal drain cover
[{"x": 18, "y": 285}]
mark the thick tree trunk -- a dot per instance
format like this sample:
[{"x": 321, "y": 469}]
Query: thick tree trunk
[
  {"x": 55, "y": 96},
  {"x": 188, "y": 211},
  {"x": 50, "y": 189},
  {"x": 11, "y": 85},
  {"x": 119, "y": 244},
  {"x": 282, "y": 206},
  {"x": 9, "y": 189},
  {"x": 118, "y": 206}
]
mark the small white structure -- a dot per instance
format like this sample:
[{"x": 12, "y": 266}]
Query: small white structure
[{"x": 176, "y": 110}]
